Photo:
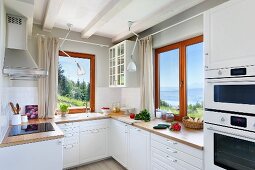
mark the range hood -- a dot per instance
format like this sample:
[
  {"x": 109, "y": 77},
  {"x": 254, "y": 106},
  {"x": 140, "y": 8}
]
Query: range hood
[{"x": 18, "y": 62}]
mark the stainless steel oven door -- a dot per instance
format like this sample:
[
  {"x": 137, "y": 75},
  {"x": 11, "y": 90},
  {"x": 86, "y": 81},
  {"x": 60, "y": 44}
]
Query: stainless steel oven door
[
  {"x": 228, "y": 148},
  {"x": 231, "y": 94}
]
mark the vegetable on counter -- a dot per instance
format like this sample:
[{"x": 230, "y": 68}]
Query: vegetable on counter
[
  {"x": 175, "y": 126},
  {"x": 143, "y": 115},
  {"x": 132, "y": 115}
]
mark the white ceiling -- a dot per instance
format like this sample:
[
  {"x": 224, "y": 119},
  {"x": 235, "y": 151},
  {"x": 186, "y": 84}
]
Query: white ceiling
[{"x": 107, "y": 18}]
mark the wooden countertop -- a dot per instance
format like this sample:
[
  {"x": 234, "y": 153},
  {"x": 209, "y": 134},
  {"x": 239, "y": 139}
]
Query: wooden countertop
[
  {"x": 78, "y": 117},
  {"x": 35, "y": 137},
  {"x": 190, "y": 137}
]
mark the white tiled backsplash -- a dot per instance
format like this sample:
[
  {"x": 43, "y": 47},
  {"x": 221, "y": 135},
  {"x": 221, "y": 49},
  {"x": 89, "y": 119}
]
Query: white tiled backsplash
[
  {"x": 130, "y": 97},
  {"x": 22, "y": 95}
]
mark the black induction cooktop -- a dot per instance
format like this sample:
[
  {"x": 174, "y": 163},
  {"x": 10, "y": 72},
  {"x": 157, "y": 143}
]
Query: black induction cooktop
[{"x": 30, "y": 128}]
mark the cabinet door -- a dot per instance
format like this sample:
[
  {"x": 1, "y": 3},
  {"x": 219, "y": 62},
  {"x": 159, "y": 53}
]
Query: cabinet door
[
  {"x": 71, "y": 155},
  {"x": 93, "y": 144},
  {"x": 121, "y": 65},
  {"x": 112, "y": 67},
  {"x": 119, "y": 142},
  {"x": 39, "y": 155},
  {"x": 229, "y": 34},
  {"x": 139, "y": 149}
]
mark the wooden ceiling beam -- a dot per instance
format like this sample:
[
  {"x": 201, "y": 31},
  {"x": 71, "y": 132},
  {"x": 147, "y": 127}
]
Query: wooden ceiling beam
[
  {"x": 51, "y": 14},
  {"x": 108, "y": 12}
]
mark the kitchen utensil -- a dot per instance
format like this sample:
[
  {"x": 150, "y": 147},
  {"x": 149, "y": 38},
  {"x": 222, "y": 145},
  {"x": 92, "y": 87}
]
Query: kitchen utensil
[
  {"x": 17, "y": 108},
  {"x": 160, "y": 127},
  {"x": 13, "y": 108},
  {"x": 16, "y": 119}
]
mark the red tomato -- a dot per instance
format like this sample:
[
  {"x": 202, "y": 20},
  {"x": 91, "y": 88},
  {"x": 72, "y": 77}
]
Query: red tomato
[{"x": 132, "y": 115}]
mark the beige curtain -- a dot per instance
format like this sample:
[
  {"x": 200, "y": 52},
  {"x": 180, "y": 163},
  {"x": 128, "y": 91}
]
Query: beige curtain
[
  {"x": 146, "y": 60},
  {"x": 48, "y": 48}
]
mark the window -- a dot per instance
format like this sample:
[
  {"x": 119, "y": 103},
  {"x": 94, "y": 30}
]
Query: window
[
  {"x": 73, "y": 89},
  {"x": 179, "y": 78}
]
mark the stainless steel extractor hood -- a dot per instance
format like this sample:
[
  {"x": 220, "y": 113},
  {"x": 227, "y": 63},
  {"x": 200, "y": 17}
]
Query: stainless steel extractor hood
[{"x": 18, "y": 63}]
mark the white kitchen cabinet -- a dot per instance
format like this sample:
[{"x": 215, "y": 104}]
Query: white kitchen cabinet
[
  {"x": 93, "y": 140},
  {"x": 39, "y": 155},
  {"x": 139, "y": 149},
  {"x": 229, "y": 35},
  {"x": 119, "y": 138},
  {"x": 174, "y": 155},
  {"x": 71, "y": 144},
  {"x": 119, "y": 57}
]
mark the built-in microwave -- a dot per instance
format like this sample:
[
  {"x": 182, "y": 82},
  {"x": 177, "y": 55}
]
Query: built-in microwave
[{"x": 231, "y": 89}]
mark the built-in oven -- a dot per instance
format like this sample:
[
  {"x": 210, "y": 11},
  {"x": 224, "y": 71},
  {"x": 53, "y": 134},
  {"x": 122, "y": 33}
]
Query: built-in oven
[
  {"x": 229, "y": 141},
  {"x": 231, "y": 89}
]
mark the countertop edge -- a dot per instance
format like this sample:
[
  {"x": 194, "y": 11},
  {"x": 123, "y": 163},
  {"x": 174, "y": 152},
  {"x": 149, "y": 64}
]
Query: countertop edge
[{"x": 170, "y": 137}]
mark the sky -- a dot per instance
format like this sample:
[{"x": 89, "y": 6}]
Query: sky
[
  {"x": 70, "y": 68},
  {"x": 169, "y": 67}
]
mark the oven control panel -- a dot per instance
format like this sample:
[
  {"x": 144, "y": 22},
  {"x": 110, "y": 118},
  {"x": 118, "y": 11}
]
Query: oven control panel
[
  {"x": 230, "y": 120},
  {"x": 238, "y": 121}
]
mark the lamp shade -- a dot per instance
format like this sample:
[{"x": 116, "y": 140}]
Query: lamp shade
[
  {"x": 80, "y": 70},
  {"x": 131, "y": 66}
]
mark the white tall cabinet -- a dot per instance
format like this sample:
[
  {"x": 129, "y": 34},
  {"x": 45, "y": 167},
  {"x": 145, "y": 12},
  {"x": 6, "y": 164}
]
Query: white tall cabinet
[
  {"x": 119, "y": 57},
  {"x": 229, "y": 35}
]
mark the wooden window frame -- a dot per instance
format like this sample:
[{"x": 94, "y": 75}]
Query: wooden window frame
[
  {"x": 182, "y": 72},
  {"x": 91, "y": 57}
]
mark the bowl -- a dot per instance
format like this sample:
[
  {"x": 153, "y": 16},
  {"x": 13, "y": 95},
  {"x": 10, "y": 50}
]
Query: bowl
[{"x": 105, "y": 110}]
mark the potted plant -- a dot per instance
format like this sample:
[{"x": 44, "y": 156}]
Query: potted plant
[{"x": 63, "y": 109}]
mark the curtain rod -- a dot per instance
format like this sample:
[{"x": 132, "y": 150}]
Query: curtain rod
[
  {"x": 78, "y": 41},
  {"x": 178, "y": 23}
]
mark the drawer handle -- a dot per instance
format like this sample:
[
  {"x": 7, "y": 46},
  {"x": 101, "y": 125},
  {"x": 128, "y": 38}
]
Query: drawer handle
[
  {"x": 175, "y": 161},
  {"x": 169, "y": 158},
  {"x": 174, "y": 152}
]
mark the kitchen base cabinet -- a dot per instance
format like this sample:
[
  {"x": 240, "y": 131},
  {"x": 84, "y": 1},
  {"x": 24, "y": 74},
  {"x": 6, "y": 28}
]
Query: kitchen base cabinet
[
  {"x": 175, "y": 155},
  {"x": 71, "y": 144},
  {"x": 119, "y": 138},
  {"x": 139, "y": 149},
  {"x": 93, "y": 140},
  {"x": 39, "y": 155}
]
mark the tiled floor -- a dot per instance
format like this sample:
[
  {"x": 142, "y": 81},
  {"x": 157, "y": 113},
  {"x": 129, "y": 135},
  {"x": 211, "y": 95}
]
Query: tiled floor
[{"x": 108, "y": 164}]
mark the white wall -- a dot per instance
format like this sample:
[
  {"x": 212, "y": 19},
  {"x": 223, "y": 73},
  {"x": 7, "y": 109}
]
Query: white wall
[{"x": 186, "y": 30}]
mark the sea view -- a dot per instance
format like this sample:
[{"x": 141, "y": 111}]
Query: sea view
[{"x": 171, "y": 95}]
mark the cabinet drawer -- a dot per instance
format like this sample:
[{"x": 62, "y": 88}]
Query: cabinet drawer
[
  {"x": 179, "y": 146},
  {"x": 156, "y": 166},
  {"x": 178, "y": 154},
  {"x": 95, "y": 124},
  {"x": 71, "y": 140},
  {"x": 66, "y": 125},
  {"x": 171, "y": 161}
]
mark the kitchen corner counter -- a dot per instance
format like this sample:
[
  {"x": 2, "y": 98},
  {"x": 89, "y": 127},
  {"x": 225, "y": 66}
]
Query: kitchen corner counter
[
  {"x": 190, "y": 137},
  {"x": 35, "y": 137}
]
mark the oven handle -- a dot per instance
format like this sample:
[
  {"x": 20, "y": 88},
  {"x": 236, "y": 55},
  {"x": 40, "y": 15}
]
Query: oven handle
[
  {"x": 228, "y": 81},
  {"x": 234, "y": 134}
]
